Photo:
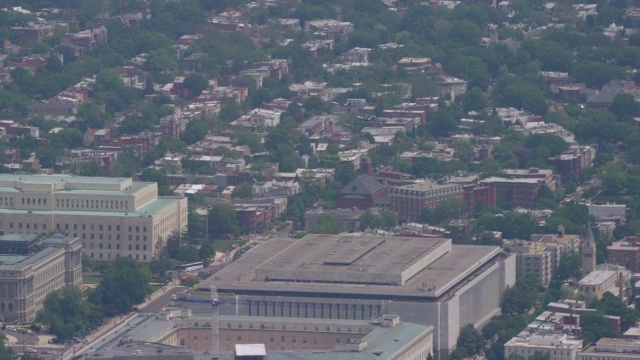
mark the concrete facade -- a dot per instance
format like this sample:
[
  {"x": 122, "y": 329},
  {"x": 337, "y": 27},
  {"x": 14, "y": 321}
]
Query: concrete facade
[
  {"x": 31, "y": 267},
  {"x": 409, "y": 200},
  {"x": 430, "y": 281},
  {"x": 112, "y": 216}
]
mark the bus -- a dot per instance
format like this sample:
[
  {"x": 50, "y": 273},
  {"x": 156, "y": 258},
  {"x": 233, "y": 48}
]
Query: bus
[{"x": 191, "y": 267}]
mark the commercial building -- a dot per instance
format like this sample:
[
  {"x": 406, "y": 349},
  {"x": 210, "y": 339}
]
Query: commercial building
[
  {"x": 112, "y": 216},
  {"x": 409, "y": 200},
  {"x": 359, "y": 276},
  {"x": 349, "y": 219},
  {"x": 611, "y": 349},
  {"x": 177, "y": 331},
  {"x": 32, "y": 266},
  {"x": 625, "y": 253}
]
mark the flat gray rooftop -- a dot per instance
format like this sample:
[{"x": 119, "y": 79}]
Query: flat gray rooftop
[
  {"x": 416, "y": 266},
  {"x": 353, "y": 259}
]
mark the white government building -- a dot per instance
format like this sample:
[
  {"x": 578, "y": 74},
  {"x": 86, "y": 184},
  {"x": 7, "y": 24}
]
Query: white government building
[{"x": 111, "y": 216}]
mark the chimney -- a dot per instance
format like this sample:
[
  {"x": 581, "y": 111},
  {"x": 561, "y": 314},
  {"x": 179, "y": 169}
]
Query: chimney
[
  {"x": 620, "y": 286},
  {"x": 366, "y": 165}
]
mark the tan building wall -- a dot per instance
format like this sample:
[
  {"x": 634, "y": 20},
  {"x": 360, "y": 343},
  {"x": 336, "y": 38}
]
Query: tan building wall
[
  {"x": 112, "y": 217},
  {"x": 23, "y": 289}
]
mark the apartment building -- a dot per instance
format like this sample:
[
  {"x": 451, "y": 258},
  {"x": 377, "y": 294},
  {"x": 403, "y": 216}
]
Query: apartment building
[
  {"x": 112, "y": 216},
  {"x": 32, "y": 266},
  {"x": 409, "y": 200},
  {"x": 545, "y": 176},
  {"x": 625, "y": 253},
  {"x": 532, "y": 258},
  {"x": 514, "y": 192}
]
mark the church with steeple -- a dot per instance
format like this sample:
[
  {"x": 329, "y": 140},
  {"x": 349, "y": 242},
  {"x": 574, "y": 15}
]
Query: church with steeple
[{"x": 588, "y": 252}]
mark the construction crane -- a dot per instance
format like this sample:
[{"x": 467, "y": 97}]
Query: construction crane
[{"x": 215, "y": 314}]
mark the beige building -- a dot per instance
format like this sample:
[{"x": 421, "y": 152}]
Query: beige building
[
  {"x": 605, "y": 278},
  {"x": 531, "y": 258},
  {"x": 112, "y": 216},
  {"x": 611, "y": 349},
  {"x": 32, "y": 266},
  {"x": 558, "y": 244},
  {"x": 409, "y": 200},
  {"x": 558, "y": 346}
]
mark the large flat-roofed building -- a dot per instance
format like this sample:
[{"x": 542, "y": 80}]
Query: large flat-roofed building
[
  {"x": 112, "y": 216},
  {"x": 409, "y": 200},
  {"x": 177, "y": 331},
  {"x": 359, "y": 276},
  {"x": 32, "y": 266},
  {"x": 611, "y": 349}
]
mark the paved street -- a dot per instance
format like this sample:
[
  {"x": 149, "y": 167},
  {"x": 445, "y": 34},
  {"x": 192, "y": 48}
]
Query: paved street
[{"x": 161, "y": 301}]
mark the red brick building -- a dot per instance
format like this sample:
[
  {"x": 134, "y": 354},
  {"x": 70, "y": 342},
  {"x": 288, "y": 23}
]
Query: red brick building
[
  {"x": 514, "y": 192},
  {"x": 625, "y": 253},
  {"x": 360, "y": 193}
]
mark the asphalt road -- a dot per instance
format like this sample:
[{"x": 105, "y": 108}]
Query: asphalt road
[
  {"x": 27, "y": 339},
  {"x": 157, "y": 304}
]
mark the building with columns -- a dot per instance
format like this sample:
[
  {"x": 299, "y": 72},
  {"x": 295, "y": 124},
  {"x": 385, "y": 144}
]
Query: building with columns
[
  {"x": 32, "y": 266},
  {"x": 112, "y": 217}
]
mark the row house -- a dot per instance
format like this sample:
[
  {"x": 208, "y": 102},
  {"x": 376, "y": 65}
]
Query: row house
[
  {"x": 39, "y": 31},
  {"x": 257, "y": 120},
  {"x": 574, "y": 160},
  {"x": 328, "y": 27},
  {"x": 319, "y": 47},
  {"x": 77, "y": 158},
  {"x": 422, "y": 65},
  {"x": 99, "y": 136},
  {"x": 10, "y": 128},
  {"x": 88, "y": 39}
]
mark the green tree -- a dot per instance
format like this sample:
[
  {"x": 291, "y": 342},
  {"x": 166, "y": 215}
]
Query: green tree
[
  {"x": 159, "y": 177},
  {"x": 625, "y": 107},
  {"x": 326, "y": 224},
  {"x": 242, "y": 191},
  {"x": 195, "y": 131},
  {"x": 223, "y": 221},
  {"x": 521, "y": 297},
  {"x": 195, "y": 84},
  {"x": 470, "y": 341},
  {"x": 92, "y": 168},
  {"x": 67, "y": 313},
  {"x": 369, "y": 221},
  {"x": 123, "y": 285}
]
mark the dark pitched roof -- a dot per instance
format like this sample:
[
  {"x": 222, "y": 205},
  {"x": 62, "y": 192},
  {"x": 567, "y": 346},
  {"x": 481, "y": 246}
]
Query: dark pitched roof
[
  {"x": 605, "y": 97},
  {"x": 362, "y": 185}
]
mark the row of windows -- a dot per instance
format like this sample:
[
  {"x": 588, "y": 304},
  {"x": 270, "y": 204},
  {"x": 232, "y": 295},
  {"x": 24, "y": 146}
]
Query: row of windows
[
  {"x": 144, "y": 257},
  {"x": 75, "y": 227},
  {"x": 90, "y": 204},
  {"x": 101, "y": 246}
]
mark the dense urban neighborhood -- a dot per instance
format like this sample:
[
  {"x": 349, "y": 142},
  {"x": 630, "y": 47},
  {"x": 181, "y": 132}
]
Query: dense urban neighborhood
[{"x": 319, "y": 179}]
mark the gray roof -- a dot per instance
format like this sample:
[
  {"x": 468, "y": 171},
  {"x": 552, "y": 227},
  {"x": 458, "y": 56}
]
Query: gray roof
[
  {"x": 601, "y": 212},
  {"x": 605, "y": 97},
  {"x": 362, "y": 185}
]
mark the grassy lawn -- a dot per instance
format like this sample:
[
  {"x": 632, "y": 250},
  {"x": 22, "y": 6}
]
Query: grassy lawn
[{"x": 91, "y": 279}]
